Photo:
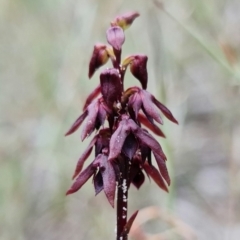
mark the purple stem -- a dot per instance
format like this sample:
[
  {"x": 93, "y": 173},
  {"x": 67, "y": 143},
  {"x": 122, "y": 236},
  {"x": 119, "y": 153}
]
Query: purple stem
[{"x": 122, "y": 199}]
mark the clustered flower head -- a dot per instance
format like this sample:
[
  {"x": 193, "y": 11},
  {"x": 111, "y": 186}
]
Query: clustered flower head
[{"x": 132, "y": 117}]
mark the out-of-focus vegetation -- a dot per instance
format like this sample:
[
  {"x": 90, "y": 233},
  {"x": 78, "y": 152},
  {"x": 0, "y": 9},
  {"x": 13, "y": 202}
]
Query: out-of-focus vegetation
[{"x": 193, "y": 49}]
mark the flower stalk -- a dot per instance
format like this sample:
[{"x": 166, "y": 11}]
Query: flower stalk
[
  {"x": 122, "y": 199},
  {"x": 123, "y": 149}
]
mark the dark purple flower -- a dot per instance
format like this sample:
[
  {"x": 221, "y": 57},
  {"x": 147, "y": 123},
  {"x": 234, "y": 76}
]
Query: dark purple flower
[
  {"x": 100, "y": 141},
  {"x": 95, "y": 113},
  {"x": 84, "y": 157},
  {"x": 142, "y": 99},
  {"x": 104, "y": 173},
  {"x": 127, "y": 126},
  {"x": 108, "y": 176},
  {"x": 138, "y": 67}
]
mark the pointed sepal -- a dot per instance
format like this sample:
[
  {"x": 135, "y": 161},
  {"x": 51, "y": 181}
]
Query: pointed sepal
[
  {"x": 162, "y": 167},
  {"x": 81, "y": 179},
  {"x": 118, "y": 139},
  {"x": 84, "y": 157},
  {"x": 77, "y": 123},
  {"x": 108, "y": 175},
  {"x": 155, "y": 175},
  {"x": 129, "y": 224},
  {"x": 92, "y": 96},
  {"x": 167, "y": 113},
  {"x": 149, "y": 107},
  {"x": 130, "y": 146},
  {"x": 153, "y": 127}
]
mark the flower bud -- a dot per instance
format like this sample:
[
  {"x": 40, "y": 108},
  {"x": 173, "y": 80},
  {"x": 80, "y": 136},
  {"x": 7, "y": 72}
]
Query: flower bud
[
  {"x": 99, "y": 58},
  {"x": 115, "y": 37},
  {"x": 124, "y": 21},
  {"x": 111, "y": 87},
  {"x": 138, "y": 67}
]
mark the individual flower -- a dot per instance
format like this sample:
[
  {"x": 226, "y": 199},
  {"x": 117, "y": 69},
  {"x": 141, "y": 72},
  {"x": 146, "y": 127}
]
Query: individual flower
[
  {"x": 100, "y": 142},
  {"x": 99, "y": 58},
  {"x": 138, "y": 167},
  {"x": 104, "y": 177},
  {"x": 127, "y": 126},
  {"x": 142, "y": 99},
  {"x": 138, "y": 67},
  {"x": 96, "y": 113}
]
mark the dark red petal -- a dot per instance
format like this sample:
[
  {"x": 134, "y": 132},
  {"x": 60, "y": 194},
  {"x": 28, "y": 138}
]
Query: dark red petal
[
  {"x": 92, "y": 96},
  {"x": 84, "y": 156},
  {"x": 91, "y": 119},
  {"x": 138, "y": 180},
  {"x": 77, "y": 123},
  {"x": 98, "y": 183},
  {"x": 129, "y": 223},
  {"x": 99, "y": 58},
  {"x": 138, "y": 68},
  {"x": 130, "y": 146},
  {"x": 102, "y": 115},
  {"x": 150, "y": 107},
  {"x": 162, "y": 167},
  {"x": 115, "y": 37},
  {"x": 155, "y": 175},
  {"x": 109, "y": 178},
  {"x": 150, "y": 125},
  {"x": 135, "y": 102},
  {"x": 103, "y": 112},
  {"x": 111, "y": 86},
  {"x": 81, "y": 179},
  {"x": 165, "y": 110},
  {"x": 118, "y": 139},
  {"x": 149, "y": 118},
  {"x": 150, "y": 141}
]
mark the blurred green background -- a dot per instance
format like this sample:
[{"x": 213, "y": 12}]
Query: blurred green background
[{"x": 194, "y": 68}]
